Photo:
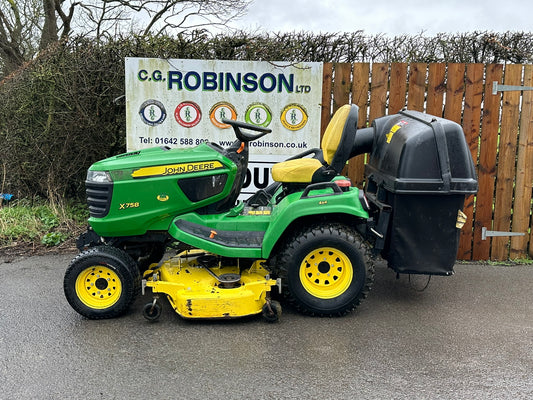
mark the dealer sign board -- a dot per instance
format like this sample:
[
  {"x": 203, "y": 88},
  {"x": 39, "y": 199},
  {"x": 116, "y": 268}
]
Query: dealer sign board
[{"x": 181, "y": 103}]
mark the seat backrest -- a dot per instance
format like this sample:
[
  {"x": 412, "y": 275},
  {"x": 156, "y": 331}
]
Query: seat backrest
[{"x": 339, "y": 136}]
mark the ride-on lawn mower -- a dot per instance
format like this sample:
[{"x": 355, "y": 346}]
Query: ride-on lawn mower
[{"x": 310, "y": 234}]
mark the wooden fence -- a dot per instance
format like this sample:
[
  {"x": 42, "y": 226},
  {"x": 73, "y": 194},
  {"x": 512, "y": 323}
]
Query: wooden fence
[{"x": 498, "y": 128}]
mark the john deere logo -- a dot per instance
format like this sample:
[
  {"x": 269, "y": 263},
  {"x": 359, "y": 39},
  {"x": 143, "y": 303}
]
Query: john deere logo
[
  {"x": 175, "y": 169},
  {"x": 188, "y": 114},
  {"x": 152, "y": 112},
  {"x": 294, "y": 117},
  {"x": 222, "y": 110},
  {"x": 162, "y": 197},
  {"x": 258, "y": 114}
]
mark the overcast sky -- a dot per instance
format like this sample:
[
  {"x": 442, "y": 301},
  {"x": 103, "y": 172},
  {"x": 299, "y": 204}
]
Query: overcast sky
[{"x": 391, "y": 17}]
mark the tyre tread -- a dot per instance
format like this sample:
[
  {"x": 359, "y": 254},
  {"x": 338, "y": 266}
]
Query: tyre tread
[
  {"x": 283, "y": 264},
  {"x": 130, "y": 272}
]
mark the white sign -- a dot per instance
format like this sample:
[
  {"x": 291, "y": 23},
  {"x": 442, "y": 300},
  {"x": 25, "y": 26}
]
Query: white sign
[{"x": 181, "y": 103}]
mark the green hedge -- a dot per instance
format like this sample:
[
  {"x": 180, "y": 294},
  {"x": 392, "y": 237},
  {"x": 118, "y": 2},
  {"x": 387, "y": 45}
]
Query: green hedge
[{"x": 64, "y": 109}]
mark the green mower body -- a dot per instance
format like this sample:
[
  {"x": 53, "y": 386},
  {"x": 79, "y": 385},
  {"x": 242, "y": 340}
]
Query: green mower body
[
  {"x": 144, "y": 190},
  {"x": 173, "y": 190},
  {"x": 312, "y": 231}
]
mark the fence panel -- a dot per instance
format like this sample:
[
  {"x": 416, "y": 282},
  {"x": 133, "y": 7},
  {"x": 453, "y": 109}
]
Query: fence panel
[
  {"x": 487, "y": 162},
  {"x": 341, "y": 84},
  {"x": 417, "y": 86},
  {"x": 327, "y": 82},
  {"x": 360, "y": 90},
  {"x": 455, "y": 89},
  {"x": 471, "y": 128},
  {"x": 436, "y": 88},
  {"x": 503, "y": 204},
  {"x": 378, "y": 91},
  {"x": 498, "y": 129},
  {"x": 398, "y": 87},
  {"x": 522, "y": 219}
]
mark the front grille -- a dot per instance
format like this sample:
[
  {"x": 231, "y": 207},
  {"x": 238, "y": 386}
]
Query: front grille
[{"x": 99, "y": 198}]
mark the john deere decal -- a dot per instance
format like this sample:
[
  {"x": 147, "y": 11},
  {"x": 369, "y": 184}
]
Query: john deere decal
[
  {"x": 222, "y": 110},
  {"x": 152, "y": 112},
  {"x": 188, "y": 114},
  {"x": 176, "y": 169},
  {"x": 294, "y": 117},
  {"x": 258, "y": 114}
]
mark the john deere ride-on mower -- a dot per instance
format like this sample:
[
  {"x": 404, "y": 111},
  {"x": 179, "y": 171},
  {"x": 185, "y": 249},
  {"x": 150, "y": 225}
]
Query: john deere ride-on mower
[{"x": 310, "y": 235}]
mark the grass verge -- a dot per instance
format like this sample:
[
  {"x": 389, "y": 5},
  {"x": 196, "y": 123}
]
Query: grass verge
[{"x": 36, "y": 226}]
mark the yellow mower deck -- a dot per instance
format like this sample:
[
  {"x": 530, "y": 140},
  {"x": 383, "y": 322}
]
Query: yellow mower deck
[{"x": 197, "y": 291}]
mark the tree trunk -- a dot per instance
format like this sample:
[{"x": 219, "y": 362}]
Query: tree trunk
[{"x": 49, "y": 34}]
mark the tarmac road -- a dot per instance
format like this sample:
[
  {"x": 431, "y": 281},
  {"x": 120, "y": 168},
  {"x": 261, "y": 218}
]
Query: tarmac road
[{"x": 468, "y": 336}]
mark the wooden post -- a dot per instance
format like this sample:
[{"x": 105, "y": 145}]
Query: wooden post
[
  {"x": 398, "y": 87},
  {"x": 455, "y": 88},
  {"x": 506, "y": 163},
  {"x": 436, "y": 88},
  {"x": 378, "y": 91},
  {"x": 524, "y": 175},
  {"x": 417, "y": 86},
  {"x": 360, "y": 90},
  {"x": 487, "y": 162},
  {"x": 327, "y": 82},
  {"x": 471, "y": 127}
]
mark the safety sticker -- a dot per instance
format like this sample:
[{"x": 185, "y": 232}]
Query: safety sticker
[{"x": 395, "y": 129}]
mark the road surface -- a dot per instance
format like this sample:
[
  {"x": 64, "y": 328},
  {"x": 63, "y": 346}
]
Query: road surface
[{"x": 469, "y": 336}]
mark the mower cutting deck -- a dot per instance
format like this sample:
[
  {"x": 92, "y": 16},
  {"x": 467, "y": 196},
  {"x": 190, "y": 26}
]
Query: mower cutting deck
[{"x": 200, "y": 285}]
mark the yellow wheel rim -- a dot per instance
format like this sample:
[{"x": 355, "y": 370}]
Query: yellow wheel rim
[
  {"x": 98, "y": 287},
  {"x": 326, "y": 273}
]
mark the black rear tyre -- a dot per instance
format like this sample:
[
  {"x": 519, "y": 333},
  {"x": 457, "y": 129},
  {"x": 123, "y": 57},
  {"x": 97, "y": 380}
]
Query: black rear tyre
[
  {"x": 325, "y": 270},
  {"x": 102, "y": 282}
]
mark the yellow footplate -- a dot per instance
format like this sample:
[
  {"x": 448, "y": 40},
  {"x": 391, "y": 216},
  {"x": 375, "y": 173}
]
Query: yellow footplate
[{"x": 200, "y": 285}]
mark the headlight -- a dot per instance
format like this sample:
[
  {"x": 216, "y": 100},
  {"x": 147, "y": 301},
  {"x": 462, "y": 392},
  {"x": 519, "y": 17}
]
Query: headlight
[{"x": 98, "y": 176}]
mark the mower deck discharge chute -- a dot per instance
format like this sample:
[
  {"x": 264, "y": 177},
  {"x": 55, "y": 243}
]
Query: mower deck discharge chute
[{"x": 311, "y": 236}]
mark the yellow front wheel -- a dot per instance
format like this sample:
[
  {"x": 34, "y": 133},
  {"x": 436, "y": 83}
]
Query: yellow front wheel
[
  {"x": 98, "y": 287},
  {"x": 325, "y": 269},
  {"x": 102, "y": 282}
]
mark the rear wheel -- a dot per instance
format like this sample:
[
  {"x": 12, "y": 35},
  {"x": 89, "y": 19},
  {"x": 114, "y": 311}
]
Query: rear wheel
[
  {"x": 325, "y": 270},
  {"x": 102, "y": 282}
]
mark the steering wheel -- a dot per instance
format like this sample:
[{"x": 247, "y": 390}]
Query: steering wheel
[{"x": 246, "y": 136}]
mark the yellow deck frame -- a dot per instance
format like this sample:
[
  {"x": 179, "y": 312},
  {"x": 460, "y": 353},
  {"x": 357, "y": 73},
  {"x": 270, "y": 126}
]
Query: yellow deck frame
[{"x": 194, "y": 292}]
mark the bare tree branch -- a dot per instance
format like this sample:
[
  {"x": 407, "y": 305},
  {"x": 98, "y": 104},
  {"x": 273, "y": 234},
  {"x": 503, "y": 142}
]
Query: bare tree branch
[
  {"x": 32, "y": 25},
  {"x": 65, "y": 18}
]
